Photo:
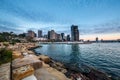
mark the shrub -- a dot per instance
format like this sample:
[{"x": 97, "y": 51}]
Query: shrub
[{"x": 5, "y": 55}]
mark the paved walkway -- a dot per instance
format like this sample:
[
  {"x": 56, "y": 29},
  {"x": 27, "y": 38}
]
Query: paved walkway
[
  {"x": 5, "y": 71},
  {"x": 49, "y": 73}
]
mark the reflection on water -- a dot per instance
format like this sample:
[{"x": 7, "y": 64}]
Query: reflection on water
[
  {"x": 103, "y": 56},
  {"x": 76, "y": 59},
  {"x": 74, "y": 55}
]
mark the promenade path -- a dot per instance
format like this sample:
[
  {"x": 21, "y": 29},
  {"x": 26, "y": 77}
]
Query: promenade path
[{"x": 5, "y": 71}]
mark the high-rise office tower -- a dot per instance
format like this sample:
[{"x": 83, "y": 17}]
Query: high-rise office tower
[
  {"x": 51, "y": 34},
  {"x": 48, "y": 34},
  {"x": 58, "y": 37},
  {"x": 74, "y": 33},
  {"x": 62, "y": 36},
  {"x": 68, "y": 37},
  {"x": 96, "y": 39},
  {"x": 31, "y": 34},
  {"x": 39, "y": 33},
  {"x": 45, "y": 36}
]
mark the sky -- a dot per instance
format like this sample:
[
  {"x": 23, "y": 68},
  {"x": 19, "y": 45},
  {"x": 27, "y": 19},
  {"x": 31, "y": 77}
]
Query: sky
[{"x": 95, "y": 18}]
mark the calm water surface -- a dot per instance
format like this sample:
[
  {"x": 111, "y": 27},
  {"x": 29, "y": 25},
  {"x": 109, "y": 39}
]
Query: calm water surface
[{"x": 102, "y": 56}]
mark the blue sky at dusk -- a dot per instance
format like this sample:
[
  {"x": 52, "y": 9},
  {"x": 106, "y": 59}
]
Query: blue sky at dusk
[{"x": 95, "y": 18}]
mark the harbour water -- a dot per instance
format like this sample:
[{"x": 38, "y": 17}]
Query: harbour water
[{"x": 101, "y": 56}]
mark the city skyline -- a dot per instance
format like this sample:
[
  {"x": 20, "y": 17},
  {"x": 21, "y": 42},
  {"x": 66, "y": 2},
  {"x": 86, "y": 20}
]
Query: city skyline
[{"x": 95, "y": 18}]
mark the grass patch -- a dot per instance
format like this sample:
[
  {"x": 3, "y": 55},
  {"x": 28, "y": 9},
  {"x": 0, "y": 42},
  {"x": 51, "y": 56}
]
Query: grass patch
[{"x": 5, "y": 56}]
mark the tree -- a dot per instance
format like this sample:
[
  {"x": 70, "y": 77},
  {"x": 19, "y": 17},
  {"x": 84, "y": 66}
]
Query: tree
[{"x": 21, "y": 35}]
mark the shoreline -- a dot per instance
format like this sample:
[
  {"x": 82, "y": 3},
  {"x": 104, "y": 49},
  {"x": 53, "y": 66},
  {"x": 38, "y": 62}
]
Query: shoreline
[
  {"x": 92, "y": 74},
  {"x": 25, "y": 56},
  {"x": 76, "y": 42},
  {"x": 31, "y": 65}
]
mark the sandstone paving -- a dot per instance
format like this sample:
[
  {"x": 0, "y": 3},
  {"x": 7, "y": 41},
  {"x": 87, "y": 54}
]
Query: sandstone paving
[
  {"x": 22, "y": 72},
  {"x": 39, "y": 69},
  {"x": 30, "y": 59},
  {"x": 31, "y": 77},
  {"x": 5, "y": 71},
  {"x": 49, "y": 73}
]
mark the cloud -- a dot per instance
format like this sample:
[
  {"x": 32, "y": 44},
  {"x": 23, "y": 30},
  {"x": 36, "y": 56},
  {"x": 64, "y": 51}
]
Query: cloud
[
  {"x": 23, "y": 26},
  {"x": 109, "y": 27},
  {"x": 112, "y": 26},
  {"x": 10, "y": 7},
  {"x": 6, "y": 26},
  {"x": 16, "y": 17}
]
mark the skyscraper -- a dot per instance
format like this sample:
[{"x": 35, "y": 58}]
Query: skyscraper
[
  {"x": 48, "y": 34},
  {"x": 68, "y": 37},
  {"x": 96, "y": 39},
  {"x": 51, "y": 34},
  {"x": 74, "y": 33},
  {"x": 58, "y": 37},
  {"x": 62, "y": 35},
  {"x": 39, "y": 33},
  {"x": 31, "y": 34},
  {"x": 45, "y": 36}
]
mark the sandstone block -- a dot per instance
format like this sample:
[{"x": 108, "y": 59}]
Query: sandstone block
[
  {"x": 31, "y": 77},
  {"x": 44, "y": 58},
  {"x": 16, "y": 54},
  {"x": 22, "y": 72},
  {"x": 27, "y": 60}
]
